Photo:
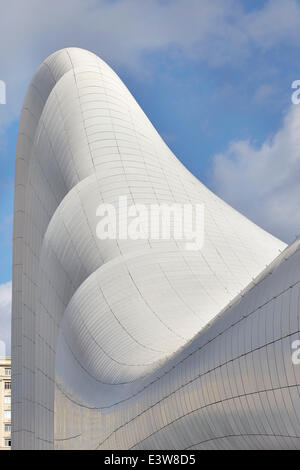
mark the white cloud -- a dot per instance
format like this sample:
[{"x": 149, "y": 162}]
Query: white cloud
[
  {"x": 263, "y": 181},
  {"x": 5, "y": 314},
  {"x": 124, "y": 31},
  {"x": 277, "y": 22}
]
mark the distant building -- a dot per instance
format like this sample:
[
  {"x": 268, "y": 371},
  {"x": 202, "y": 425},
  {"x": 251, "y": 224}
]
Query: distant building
[{"x": 5, "y": 403}]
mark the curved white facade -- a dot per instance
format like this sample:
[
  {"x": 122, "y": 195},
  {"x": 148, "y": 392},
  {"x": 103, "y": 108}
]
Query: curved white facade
[{"x": 138, "y": 343}]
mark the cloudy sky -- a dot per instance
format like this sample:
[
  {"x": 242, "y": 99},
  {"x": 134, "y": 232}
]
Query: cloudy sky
[{"x": 214, "y": 77}]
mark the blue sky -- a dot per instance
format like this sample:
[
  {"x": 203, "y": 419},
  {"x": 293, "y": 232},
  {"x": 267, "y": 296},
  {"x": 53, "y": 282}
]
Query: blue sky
[{"x": 213, "y": 76}]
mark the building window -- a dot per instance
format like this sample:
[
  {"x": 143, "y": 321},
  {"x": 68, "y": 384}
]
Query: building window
[
  {"x": 7, "y": 400},
  {"x": 7, "y": 385},
  {"x": 7, "y": 414},
  {"x": 7, "y": 442},
  {"x": 7, "y": 371},
  {"x": 7, "y": 427}
]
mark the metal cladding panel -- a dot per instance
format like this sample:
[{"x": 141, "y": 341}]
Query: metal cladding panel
[{"x": 127, "y": 343}]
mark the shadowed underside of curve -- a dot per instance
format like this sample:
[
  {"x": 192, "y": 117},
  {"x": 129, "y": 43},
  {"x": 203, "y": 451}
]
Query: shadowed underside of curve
[{"x": 120, "y": 343}]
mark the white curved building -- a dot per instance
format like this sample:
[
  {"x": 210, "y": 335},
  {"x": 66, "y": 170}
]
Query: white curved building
[{"x": 122, "y": 343}]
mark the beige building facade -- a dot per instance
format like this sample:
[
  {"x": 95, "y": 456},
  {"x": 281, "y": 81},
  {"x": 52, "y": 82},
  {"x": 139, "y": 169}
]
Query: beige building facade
[{"x": 5, "y": 403}]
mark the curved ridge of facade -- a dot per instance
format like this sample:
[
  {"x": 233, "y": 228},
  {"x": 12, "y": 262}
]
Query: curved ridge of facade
[{"x": 120, "y": 343}]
